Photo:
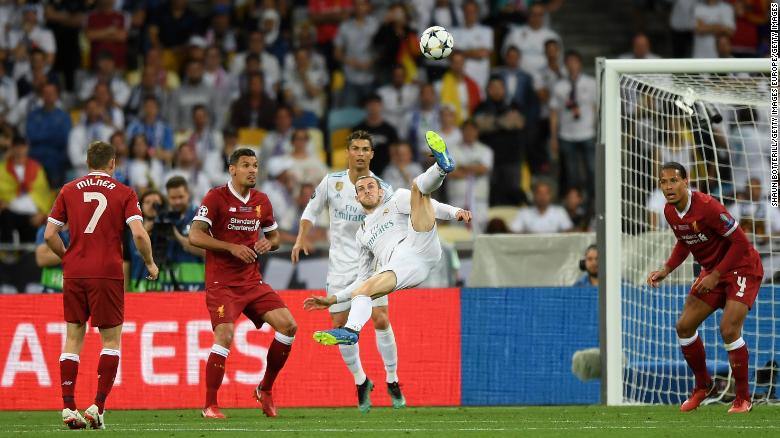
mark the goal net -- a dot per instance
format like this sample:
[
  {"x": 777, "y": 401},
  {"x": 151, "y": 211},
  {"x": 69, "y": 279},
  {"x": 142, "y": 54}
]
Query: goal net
[{"x": 715, "y": 121}]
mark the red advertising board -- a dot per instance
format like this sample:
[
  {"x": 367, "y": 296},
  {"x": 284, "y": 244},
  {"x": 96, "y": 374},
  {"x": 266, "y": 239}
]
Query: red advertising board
[{"x": 167, "y": 338}]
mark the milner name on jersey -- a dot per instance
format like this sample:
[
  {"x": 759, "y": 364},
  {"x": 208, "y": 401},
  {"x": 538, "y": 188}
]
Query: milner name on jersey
[{"x": 95, "y": 182}]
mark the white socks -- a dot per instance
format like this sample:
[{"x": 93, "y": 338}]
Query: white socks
[
  {"x": 359, "y": 313},
  {"x": 430, "y": 180},
  {"x": 385, "y": 342},
  {"x": 351, "y": 356}
]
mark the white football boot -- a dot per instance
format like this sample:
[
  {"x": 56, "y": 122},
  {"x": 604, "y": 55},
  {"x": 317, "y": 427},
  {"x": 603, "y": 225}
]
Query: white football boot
[
  {"x": 94, "y": 417},
  {"x": 73, "y": 419}
]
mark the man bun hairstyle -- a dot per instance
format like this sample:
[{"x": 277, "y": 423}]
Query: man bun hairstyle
[
  {"x": 99, "y": 153},
  {"x": 238, "y": 153},
  {"x": 673, "y": 165}
]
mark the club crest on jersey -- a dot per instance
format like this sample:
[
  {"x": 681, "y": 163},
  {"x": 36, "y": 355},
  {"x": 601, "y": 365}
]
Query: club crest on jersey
[
  {"x": 384, "y": 213},
  {"x": 339, "y": 186},
  {"x": 221, "y": 311},
  {"x": 728, "y": 220},
  {"x": 259, "y": 210}
]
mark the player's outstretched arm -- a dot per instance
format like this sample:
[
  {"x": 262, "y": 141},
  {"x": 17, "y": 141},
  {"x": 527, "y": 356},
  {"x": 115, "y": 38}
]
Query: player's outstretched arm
[
  {"x": 144, "y": 245},
  {"x": 200, "y": 237},
  {"x": 301, "y": 242},
  {"x": 53, "y": 240},
  {"x": 449, "y": 212}
]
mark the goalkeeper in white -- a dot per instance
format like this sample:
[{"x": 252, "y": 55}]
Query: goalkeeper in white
[{"x": 399, "y": 234}]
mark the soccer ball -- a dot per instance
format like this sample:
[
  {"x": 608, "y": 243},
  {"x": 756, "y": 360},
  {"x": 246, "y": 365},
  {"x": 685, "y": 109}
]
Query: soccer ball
[{"x": 436, "y": 43}]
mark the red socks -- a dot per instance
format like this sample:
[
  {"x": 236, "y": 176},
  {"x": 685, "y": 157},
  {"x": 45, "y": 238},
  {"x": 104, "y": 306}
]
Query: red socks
[
  {"x": 69, "y": 370},
  {"x": 215, "y": 372},
  {"x": 107, "y": 366},
  {"x": 277, "y": 356},
  {"x": 738, "y": 359},
  {"x": 693, "y": 351}
]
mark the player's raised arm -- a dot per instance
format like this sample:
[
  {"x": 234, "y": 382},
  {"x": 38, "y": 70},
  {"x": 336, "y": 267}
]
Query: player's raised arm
[
  {"x": 314, "y": 207},
  {"x": 144, "y": 245}
]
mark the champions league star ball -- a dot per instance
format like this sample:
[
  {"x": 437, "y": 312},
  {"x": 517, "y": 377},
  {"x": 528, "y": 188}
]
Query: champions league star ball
[{"x": 436, "y": 43}]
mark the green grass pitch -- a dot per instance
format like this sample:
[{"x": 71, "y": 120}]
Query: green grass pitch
[{"x": 548, "y": 421}]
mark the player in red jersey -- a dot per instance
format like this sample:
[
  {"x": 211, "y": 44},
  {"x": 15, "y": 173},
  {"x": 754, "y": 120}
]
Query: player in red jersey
[
  {"x": 96, "y": 208},
  {"x": 228, "y": 226},
  {"x": 730, "y": 278}
]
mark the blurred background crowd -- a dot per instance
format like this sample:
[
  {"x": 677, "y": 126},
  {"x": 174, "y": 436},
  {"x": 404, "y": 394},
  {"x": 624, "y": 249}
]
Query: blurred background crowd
[{"x": 176, "y": 85}]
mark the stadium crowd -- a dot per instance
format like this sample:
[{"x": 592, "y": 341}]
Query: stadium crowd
[{"x": 177, "y": 85}]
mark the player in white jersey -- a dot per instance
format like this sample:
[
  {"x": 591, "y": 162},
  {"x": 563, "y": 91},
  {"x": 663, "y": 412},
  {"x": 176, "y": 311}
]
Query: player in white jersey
[
  {"x": 399, "y": 236},
  {"x": 337, "y": 193}
]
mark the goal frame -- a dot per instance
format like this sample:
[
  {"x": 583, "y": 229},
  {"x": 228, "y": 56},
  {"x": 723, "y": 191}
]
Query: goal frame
[{"x": 608, "y": 202}]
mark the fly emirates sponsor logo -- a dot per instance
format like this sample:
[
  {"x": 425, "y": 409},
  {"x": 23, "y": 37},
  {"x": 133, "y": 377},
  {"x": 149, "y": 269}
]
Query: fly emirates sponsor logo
[{"x": 243, "y": 224}]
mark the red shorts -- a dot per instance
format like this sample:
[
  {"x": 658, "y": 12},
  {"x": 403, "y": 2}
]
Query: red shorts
[
  {"x": 226, "y": 303},
  {"x": 101, "y": 298},
  {"x": 741, "y": 285}
]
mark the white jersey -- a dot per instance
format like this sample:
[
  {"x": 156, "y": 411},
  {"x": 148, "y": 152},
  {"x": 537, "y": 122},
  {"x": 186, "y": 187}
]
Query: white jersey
[
  {"x": 337, "y": 193},
  {"x": 387, "y": 226}
]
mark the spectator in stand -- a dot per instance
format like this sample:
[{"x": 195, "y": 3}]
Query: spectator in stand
[
  {"x": 159, "y": 136},
  {"x": 545, "y": 81},
  {"x": 421, "y": 119},
  {"x": 456, "y": 88},
  {"x": 270, "y": 22},
  {"x": 307, "y": 167},
  {"x": 8, "y": 94},
  {"x": 167, "y": 78},
  {"x": 317, "y": 233},
  {"x": 106, "y": 29},
  {"x": 713, "y": 18},
  {"x": 520, "y": 92},
  {"x": 24, "y": 69},
  {"x": 122, "y": 159},
  {"x": 352, "y": 48},
  {"x": 148, "y": 87},
  {"x": 106, "y": 73},
  {"x": 382, "y": 133},
  {"x": 182, "y": 208},
  {"x": 476, "y": 42},
  {"x": 724, "y": 47},
  {"x": 25, "y": 197},
  {"x": 281, "y": 188},
  {"x": 203, "y": 138},
  {"x": 682, "y": 22},
  {"x": 589, "y": 264},
  {"x": 144, "y": 171},
  {"x": 170, "y": 27},
  {"x": 575, "y": 206},
  {"x": 277, "y": 141},
  {"x": 502, "y": 127},
  {"x": 47, "y": 131},
  {"x": 449, "y": 131},
  {"x": 304, "y": 84},
  {"x": 398, "y": 98},
  {"x": 749, "y": 15},
  {"x": 573, "y": 125},
  {"x": 395, "y": 42},
  {"x": 193, "y": 91},
  {"x": 469, "y": 184},
  {"x": 114, "y": 114},
  {"x": 215, "y": 75},
  {"x": 31, "y": 35},
  {"x": 543, "y": 216},
  {"x": 185, "y": 165},
  {"x": 531, "y": 38},
  {"x": 326, "y": 16},
  {"x": 220, "y": 35},
  {"x": 267, "y": 63},
  {"x": 217, "y": 163},
  {"x": 640, "y": 48},
  {"x": 306, "y": 39},
  {"x": 402, "y": 168},
  {"x": 65, "y": 20},
  {"x": 92, "y": 127},
  {"x": 254, "y": 109},
  {"x": 26, "y": 104}
]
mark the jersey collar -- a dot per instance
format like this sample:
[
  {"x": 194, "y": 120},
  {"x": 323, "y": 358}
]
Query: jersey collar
[
  {"x": 235, "y": 193},
  {"x": 682, "y": 214},
  {"x": 98, "y": 174}
]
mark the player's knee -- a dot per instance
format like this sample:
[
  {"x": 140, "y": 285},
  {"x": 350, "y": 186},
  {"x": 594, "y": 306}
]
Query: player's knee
[
  {"x": 288, "y": 328},
  {"x": 223, "y": 336},
  {"x": 684, "y": 330},
  {"x": 729, "y": 331},
  {"x": 381, "y": 320}
]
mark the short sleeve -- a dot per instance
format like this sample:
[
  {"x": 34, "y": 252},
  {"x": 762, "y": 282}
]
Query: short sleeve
[
  {"x": 59, "y": 213},
  {"x": 555, "y": 102},
  {"x": 722, "y": 222},
  {"x": 318, "y": 201},
  {"x": 267, "y": 221},
  {"x": 207, "y": 212},
  {"x": 133, "y": 208}
]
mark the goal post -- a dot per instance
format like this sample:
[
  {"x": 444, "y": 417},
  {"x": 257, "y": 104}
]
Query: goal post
[{"x": 644, "y": 103}]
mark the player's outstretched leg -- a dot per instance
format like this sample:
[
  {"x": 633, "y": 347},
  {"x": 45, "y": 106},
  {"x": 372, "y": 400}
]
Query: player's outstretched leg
[{"x": 440, "y": 152}]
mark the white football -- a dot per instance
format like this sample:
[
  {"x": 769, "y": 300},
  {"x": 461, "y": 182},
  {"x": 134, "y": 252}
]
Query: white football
[{"x": 436, "y": 43}]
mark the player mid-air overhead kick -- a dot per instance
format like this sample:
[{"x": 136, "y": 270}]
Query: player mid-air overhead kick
[{"x": 399, "y": 236}]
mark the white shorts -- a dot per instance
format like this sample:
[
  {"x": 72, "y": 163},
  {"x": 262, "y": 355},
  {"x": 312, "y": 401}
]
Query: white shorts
[
  {"x": 331, "y": 289},
  {"x": 414, "y": 258}
]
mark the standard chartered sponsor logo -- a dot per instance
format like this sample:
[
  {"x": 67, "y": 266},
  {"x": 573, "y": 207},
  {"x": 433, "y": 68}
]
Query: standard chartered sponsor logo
[{"x": 243, "y": 224}]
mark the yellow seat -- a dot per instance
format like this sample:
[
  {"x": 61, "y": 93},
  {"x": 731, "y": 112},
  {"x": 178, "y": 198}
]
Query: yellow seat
[
  {"x": 316, "y": 137},
  {"x": 525, "y": 177},
  {"x": 338, "y": 148},
  {"x": 337, "y": 81},
  {"x": 454, "y": 233},
  {"x": 506, "y": 213},
  {"x": 251, "y": 136}
]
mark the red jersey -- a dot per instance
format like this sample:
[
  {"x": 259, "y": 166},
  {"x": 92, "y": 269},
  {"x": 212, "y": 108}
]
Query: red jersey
[
  {"x": 96, "y": 208},
  {"x": 236, "y": 220},
  {"x": 707, "y": 230}
]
